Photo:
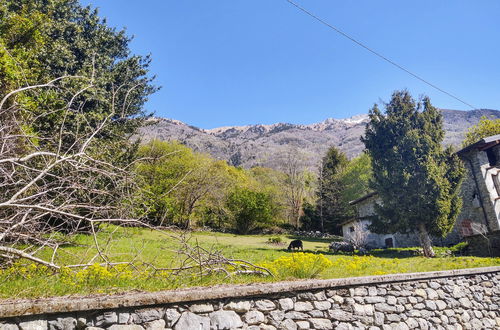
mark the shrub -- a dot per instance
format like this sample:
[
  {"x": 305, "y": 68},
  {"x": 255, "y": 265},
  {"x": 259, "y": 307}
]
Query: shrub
[
  {"x": 341, "y": 247},
  {"x": 250, "y": 209},
  {"x": 275, "y": 240},
  {"x": 299, "y": 265}
]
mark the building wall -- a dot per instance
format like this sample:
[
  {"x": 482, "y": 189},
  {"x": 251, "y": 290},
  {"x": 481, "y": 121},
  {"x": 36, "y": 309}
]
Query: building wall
[
  {"x": 478, "y": 186},
  {"x": 366, "y": 208},
  {"x": 477, "y": 165},
  {"x": 458, "y": 299}
]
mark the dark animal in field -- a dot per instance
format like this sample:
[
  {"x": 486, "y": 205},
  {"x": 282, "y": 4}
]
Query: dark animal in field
[{"x": 296, "y": 244}]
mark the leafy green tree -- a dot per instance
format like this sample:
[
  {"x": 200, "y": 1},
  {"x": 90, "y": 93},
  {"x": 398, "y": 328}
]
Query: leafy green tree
[
  {"x": 179, "y": 186},
  {"x": 484, "y": 128},
  {"x": 41, "y": 40},
  {"x": 94, "y": 80},
  {"x": 418, "y": 182},
  {"x": 249, "y": 209},
  {"x": 271, "y": 181},
  {"x": 333, "y": 207},
  {"x": 356, "y": 177}
]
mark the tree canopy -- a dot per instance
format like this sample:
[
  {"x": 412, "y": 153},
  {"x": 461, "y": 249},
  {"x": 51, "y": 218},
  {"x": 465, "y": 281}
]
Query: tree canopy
[
  {"x": 418, "y": 182},
  {"x": 484, "y": 128},
  {"x": 333, "y": 207},
  {"x": 42, "y": 40}
]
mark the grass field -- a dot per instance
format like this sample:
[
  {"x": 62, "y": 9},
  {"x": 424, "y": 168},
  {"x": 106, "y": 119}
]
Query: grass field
[{"x": 27, "y": 280}]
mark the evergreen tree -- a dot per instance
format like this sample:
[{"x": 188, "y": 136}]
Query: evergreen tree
[
  {"x": 418, "y": 182},
  {"x": 332, "y": 206}
]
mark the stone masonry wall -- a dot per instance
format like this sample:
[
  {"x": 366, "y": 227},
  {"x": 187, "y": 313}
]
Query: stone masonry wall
[{"x": 464, "y": 299}]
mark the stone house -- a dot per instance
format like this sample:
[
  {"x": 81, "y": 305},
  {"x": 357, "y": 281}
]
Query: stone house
[{"x": 480, "y": 214}]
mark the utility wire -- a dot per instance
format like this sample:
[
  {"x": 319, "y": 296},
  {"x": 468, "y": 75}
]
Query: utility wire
[{"x": 377, "y": 53}]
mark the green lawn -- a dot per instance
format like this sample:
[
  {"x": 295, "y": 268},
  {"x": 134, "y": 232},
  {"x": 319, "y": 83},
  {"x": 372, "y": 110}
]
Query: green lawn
[{"x": 26, "y": 280}]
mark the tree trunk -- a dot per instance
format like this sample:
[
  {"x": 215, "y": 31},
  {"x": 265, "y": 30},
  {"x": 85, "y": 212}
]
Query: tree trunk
[{"x": 425, "y": 241}]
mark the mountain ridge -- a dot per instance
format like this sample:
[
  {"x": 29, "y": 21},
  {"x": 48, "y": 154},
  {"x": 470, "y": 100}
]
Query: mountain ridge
[{"x": 265, "y": 144}]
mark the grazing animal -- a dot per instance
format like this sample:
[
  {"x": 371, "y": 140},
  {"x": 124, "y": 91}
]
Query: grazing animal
[{"x": 296, "y": 244}]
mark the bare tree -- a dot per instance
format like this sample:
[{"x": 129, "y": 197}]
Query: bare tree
[
  {"x": 54, "y": 182},
  {"x": 293, "y": 165},
  {"x": 58, "y": 182},
  {"x": 358, "y": 236}
]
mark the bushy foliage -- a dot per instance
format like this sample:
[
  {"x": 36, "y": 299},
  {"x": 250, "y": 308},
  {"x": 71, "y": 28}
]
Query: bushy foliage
[
  {"x": 484, "y": 128},
  {"x": 356, "y": 177},
  {"x": 249, "y": 209},
  {"x": 175, "y": 182},
  {"x": 299, "y": 265},
  {"x": 180, "y": 187},
  {"x": 275, "y": 240}
]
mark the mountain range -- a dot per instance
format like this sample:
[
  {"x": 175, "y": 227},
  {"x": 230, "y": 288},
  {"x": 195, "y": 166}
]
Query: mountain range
[{"x": 265, "y": 145}]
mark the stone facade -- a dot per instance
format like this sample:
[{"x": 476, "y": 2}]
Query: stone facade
[{"x": 459, "y": 299}]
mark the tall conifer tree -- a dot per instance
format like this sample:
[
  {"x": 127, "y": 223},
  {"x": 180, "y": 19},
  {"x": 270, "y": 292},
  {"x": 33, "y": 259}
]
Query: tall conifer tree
[
  {"x": 417, "y": 180},
  {"x": 333, "y": 208}
]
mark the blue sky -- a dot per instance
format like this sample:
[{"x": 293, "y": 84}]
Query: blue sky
[{"x": 238, "y": 62}]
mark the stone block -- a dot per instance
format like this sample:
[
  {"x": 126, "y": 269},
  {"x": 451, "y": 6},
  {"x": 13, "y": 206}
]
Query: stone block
[
  {"x": 431, "y": 294},
  {"x": 321, "y": 324},
  {"x": 421, "y": 292},
  {"x": 320, "y": 296},
  {"x": 297, "y": 315},
  {"x": 344, "y": 326},
  {"x": 239, "y": 306},
  {"x": 171, "y": 316},
  {"x": 8, "y": 326},
  {"x": 441, "y": 305},
  {"x": 302, "y": 325},
  {"x": 155, "y": 325},
  {"x": 303, "y": 306},
  {"x": 338, "y": 299},
  {"x": 106, "y": 318},
  {"x": 225, "y": 320},
  {"x": 34, "y": 325},
  {"x": 430, "y": 305},
  {"x": 63, "y": 323},
  {"x": 411, "y": 323},
  {"x": 253, "y": 317},
  {"x": 123, "y": 317},
  {"x": 265, "y": 305},
  {"x": 316, "y": 313},
  {"x": 285, "y": 304},
  {"x": 322, "y": 305},
  {"x": 125, "y": 327},
  {"x": 147, "y": 314},
  {"x": 340, "y": 315},
  {"x": 465, "y": 302},
  {"x": 287, "y": 324},
  {"x": 191, "y": 321},
  {"x": 201, "y": 308}
]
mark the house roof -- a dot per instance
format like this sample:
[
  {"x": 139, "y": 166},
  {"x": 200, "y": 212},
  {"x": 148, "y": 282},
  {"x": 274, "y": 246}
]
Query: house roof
[
  {"x": 356, "y": 201},
  {"x": 348, "y": 221},
  {"x": 481, "y": 144}
]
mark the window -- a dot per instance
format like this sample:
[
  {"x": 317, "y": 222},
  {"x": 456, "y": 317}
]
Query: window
[
  {"x": 496, "y": 182},
  {"x": 466, "y": 228},
  {"x": 351, "y": 229},
  {"x": 492, "y": 157}
]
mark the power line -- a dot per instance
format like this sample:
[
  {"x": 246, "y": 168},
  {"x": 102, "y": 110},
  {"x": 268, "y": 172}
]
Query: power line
[{"x": 376, "y": 53}]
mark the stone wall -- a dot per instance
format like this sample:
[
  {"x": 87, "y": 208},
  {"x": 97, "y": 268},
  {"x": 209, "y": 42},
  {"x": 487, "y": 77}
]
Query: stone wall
[
  {"x": 487, "y": 245},
  {"x": 458, "y": 299}
]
